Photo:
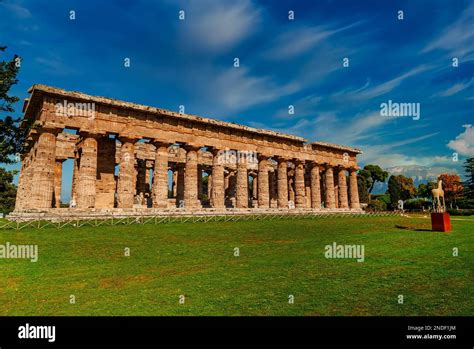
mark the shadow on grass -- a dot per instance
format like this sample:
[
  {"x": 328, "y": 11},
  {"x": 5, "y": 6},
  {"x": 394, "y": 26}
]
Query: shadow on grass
[{"x": 412, "y": 228}]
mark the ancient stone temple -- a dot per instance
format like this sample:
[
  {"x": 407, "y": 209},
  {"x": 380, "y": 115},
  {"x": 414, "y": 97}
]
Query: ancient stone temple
[{"x": 129, "y": 157}]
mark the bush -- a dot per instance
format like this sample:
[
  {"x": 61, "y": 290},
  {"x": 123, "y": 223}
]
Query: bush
[
  {"x": 376, "y": 205},
  {"x": 467, "y": 212},
  {"x": 417, "y": 204}
]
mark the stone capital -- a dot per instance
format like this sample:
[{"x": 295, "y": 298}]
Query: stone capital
[
  {"x": 281, "y": 159},
  {"x": 127, "y": 139},
  {"x": 191, "y": 147},
  {"x": 299, "y": 161}
]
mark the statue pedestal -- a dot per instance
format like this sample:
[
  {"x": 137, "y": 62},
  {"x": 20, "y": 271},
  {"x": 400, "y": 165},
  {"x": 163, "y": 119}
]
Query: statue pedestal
[{"x": 441, "y": 222}]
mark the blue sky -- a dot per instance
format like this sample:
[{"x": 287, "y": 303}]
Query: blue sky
[{"x": 282, "y": 62}]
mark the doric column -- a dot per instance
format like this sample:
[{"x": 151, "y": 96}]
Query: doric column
[
  {"x": 354, "y": 189},
  {"x": 22, "y": 191},
  {"x": 160, "y": 176},
  {"x": 242, "y": 199},
  {"x": 42, "y": 186},
  {"x": 263, "y": 185},
  {"x": 58, "y": 173},
  {"x": 125, "y": 185},
  {"x": 300, "y": 198},
  {"x": 209, "y": 185},
  {"x": 75, "y": 178},
  {"x": 342, "y": 182},
  {"x": 282, "y": 183},
  {"x": 273, "y": 187},
  {"x": 217, "y": 198},
  {"x": 191, "y": 199},
  {"x": 315, "y": 187},
  {"x": 86, "y": 185},
  {"x": 141, "y": 176},
  {"x": 307, "y": 184},
  {"x": 180, "y": 184},
  {"x": 199, "y": 181},
  {"x": 174, "y": 184},
  {"x": 330, "y": 199},
  {"x": 254, "y": 187}
]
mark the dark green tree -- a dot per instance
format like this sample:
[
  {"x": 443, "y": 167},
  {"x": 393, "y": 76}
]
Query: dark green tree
[
  {"x": 424, "y": 190},
  {"x": 469, "y": 182},
  {"x": 373, "y": 174},
  {"x": 11, "y": 135},
  {"x": 362, "y": 186},
  {"x": 7, "y": 191},
  {"x": 400, "y": 188}
]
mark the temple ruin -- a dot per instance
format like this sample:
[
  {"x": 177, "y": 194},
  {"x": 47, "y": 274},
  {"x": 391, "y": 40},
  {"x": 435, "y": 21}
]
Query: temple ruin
[{"x": 134, "y": 158}]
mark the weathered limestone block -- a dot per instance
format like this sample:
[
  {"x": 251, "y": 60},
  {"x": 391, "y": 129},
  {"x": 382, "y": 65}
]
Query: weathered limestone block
[
  {"x": 330, "y": 198},
  {"x": 242, "y": 198},
  {"x": 217, "y": 197},
  {"x": 160, "y": 177},
  {"x": 263, "y": 185},
  {"x": 282, "y": 183},
  {"x": 315, "y": 187},
  {"x": 300, "y": 188},
  {"x": 86, "y": 192},
  {"x": 125, "y": 185},
  {"x": 343, "y": 199},
  {"x": 43, "y": 174},
  {"x": 191, "y": 200},
  {"x": 354, "y": 189}
]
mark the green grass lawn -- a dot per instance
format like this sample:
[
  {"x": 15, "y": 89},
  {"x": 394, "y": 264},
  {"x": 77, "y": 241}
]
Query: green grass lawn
[{"x": 277, "y": 259}]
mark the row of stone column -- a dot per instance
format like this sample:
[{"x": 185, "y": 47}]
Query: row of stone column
[{"x": 41, "y": 187}]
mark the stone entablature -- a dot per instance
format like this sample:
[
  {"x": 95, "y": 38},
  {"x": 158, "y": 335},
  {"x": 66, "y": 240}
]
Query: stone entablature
[{"x": 148, "y": 144}]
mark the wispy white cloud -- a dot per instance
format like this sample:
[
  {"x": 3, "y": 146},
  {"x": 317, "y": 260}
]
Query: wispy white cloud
[
  {"x": 54, "y": 65},
  {"x": 294, "y": 42},
  {"x": 464, "y": 142},
  {"x": 218, "y": 26},
  {"x": 16, "y": 9},
  {"x": 369, "y": 91},
  {"x": 457, "y": 38},
  {"x": 237, "y": 89},
  {"x": 456, "y": 88}
]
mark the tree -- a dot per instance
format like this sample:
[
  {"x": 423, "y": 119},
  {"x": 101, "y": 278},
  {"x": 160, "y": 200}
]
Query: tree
[
  {"x": 11, "y": 135},
  {"x": 424, "y": 190},
  {"x": 362, "y": 187},
  {"x": 372, "y": 175},
  {"x": 7, "y": 191},
  {"x": 400, "y": 188},
  {"x": 452, "y": 187},
  {"x": 469, "y": 183}
]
